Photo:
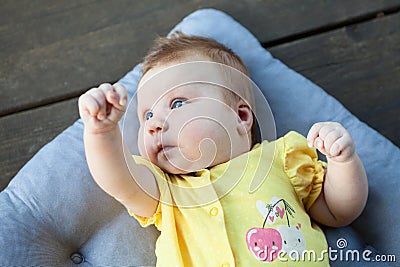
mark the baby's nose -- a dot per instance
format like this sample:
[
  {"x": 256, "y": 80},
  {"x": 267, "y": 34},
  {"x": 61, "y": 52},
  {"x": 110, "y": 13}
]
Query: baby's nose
[{"x": 155, "y": 125}]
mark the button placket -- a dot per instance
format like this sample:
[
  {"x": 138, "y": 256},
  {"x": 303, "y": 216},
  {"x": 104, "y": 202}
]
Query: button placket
[{"x": 213, "y": 211}]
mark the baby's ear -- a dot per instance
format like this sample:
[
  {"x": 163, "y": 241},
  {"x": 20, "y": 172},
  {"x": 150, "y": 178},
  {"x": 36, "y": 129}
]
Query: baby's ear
[{"x": 245, "y": 117}]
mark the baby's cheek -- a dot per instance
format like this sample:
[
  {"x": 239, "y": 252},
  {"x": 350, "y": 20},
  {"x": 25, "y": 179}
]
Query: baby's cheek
[
  {"x": 142, "y": 144},
  {"x": 189, "y": 147},
  {"x": 203, "y": 144}
]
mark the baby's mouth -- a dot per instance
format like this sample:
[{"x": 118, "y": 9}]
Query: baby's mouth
[
  {"x": 159, "y": 148},
  {"x": 163, "y": 148}
]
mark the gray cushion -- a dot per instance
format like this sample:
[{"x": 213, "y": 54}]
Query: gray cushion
[{"x": 53, "y": 208}]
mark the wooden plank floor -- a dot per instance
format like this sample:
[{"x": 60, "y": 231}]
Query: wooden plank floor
[{"x": 52, "y": 51}]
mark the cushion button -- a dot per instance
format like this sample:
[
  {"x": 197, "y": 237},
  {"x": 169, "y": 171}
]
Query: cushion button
[{"x": 77, "y": 258}]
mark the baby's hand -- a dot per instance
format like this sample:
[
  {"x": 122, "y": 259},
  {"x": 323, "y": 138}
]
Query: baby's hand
[
  {"x": 333, "y": 140},
  {"x": 101, "y": 108}
]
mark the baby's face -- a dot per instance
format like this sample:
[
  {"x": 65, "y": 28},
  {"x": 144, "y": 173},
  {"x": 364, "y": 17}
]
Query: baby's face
[{"x": 188, "y": 127}]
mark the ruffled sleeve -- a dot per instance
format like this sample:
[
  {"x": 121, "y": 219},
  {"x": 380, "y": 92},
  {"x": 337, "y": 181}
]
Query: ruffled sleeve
[
  {"x": 305, "y": 171},
  {"x": 146, "y": 221}
]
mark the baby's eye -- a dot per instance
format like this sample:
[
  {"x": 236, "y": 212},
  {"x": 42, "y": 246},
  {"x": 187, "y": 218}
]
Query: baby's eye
[
  {"x": 148, "y": 115},
  {"x": 178, "y": 103}
]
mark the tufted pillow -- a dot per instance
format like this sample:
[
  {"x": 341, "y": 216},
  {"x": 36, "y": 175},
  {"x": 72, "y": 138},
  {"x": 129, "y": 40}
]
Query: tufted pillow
[{"x": 52, "y": 212}]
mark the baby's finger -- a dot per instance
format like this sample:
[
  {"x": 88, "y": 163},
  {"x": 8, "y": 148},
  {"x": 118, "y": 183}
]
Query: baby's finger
[
  {"x": 327, "y": 128},
  {"x": 106, "y": 88},
  {"x": 88, "y": 105},
  {"x": 343, "y": 145},
  {"x": 113, "y": 98},
  {"x": 329, "y": 142},
  {"x": 123, "y": 95},
  {"x": 112, "y": 95},
  {"x": 313, "y": 133},
  {"x": 109, "y": 97},
  {"x": 319, "y": 143},
  {"x": 100, "y": 98},
  {"x": 119, "y": 99}
]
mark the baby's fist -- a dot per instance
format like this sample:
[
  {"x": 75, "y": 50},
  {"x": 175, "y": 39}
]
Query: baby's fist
[
  {"x": 333, "y": 140},
  {"x": 101, "y": 108}
]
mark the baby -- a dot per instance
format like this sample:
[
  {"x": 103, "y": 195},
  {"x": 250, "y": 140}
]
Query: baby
[{"x": 199, "y": 158}]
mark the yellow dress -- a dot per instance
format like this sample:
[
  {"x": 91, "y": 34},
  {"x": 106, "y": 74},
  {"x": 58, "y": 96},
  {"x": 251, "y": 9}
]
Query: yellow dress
[{"x": 249, "y": 211}]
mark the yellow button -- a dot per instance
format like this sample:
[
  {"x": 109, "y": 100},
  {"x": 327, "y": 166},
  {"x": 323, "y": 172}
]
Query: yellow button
[
  {"x": 226, "y": 264},
  {"x": 214, "y": 211}
]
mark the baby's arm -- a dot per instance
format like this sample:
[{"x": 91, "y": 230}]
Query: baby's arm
[
  {"x": 345, "y": 188},
  {"x": 108, "y": 157}
]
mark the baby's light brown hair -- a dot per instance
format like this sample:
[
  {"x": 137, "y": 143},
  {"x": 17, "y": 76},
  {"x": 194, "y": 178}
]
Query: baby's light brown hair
[{"x": 178, "y": 46}]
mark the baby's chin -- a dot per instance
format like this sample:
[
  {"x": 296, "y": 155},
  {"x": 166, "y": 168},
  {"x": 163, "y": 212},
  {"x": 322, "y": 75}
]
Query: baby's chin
[
  {"x": 180, "y": 166},
  {"x": 165, "y": 166},
  {"x": 171, "y": 168}
]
